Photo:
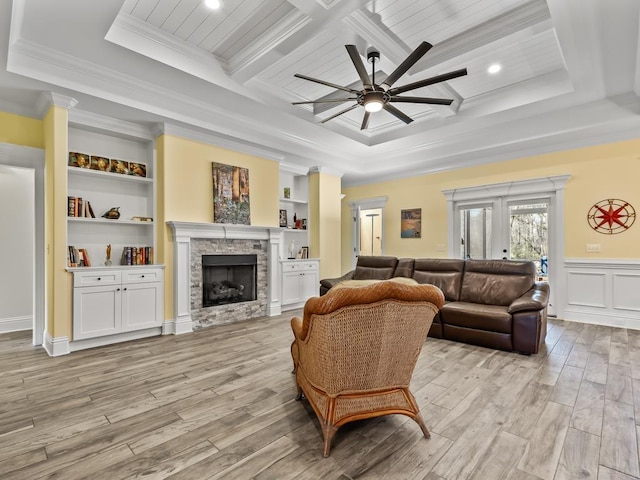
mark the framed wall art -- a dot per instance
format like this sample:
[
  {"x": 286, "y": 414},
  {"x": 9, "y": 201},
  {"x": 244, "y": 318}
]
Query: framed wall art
[
  {"x": 411, "y": 223},
  {"x": 231, "y": 194}
]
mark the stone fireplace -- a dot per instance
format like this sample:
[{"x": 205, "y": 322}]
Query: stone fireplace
[{"x": 252, "y": 249}]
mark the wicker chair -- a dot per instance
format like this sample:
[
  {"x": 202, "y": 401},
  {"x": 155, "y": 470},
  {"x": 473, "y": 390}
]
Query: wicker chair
[{"x": 355, "y": 350}]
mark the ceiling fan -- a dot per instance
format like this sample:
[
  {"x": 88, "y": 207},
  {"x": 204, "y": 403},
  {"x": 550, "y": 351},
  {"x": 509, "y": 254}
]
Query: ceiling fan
[{"x": 375, "y": 97}]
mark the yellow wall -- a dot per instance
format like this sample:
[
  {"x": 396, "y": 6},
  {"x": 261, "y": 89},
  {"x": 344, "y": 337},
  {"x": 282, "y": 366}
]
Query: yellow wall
[
  {"x": 185, "y": 192},
  {"x": 597, "y": 173},
  {"x": 324, "y": 218},
  {"x": 20, "y": 130},
  {"x": 59, "y": 281}
]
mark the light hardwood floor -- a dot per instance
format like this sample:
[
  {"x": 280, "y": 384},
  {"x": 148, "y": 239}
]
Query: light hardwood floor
[{"x": 219, "y": 404}]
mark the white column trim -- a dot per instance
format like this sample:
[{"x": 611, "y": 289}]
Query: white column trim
[{"x": 56, "y": 346}]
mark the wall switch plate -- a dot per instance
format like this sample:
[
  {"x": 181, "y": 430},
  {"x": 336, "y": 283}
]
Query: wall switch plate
[{"x": 593, "y": 247}]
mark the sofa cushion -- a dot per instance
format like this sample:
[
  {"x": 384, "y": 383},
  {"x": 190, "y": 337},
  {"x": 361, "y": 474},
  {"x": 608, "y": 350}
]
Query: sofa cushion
[
  {"x": 375, "y": 268},
  {"x": 404, "y": 268},
  {"x": 493, "y": 318},
  {"x": 444, "y": 273},
  {"x": 496, "y": 282}
]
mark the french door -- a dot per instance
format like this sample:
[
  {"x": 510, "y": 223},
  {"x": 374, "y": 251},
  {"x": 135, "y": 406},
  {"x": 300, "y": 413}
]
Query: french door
[
  {"x": 516, "y": 220},
  {"x": 516, "y": 229}
]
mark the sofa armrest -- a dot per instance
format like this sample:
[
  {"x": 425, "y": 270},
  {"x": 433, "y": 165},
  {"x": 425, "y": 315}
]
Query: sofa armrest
[
  {"x": 535, "y": 299},
  {"x": 332, "y": 282}
]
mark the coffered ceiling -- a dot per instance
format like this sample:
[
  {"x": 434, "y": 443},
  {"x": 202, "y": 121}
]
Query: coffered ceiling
[{"x": 569, "y": 74}]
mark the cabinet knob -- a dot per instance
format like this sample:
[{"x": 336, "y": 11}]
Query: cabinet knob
[
  {"x": 117, "y": 289},
  {"x": 142, "y": 276},
  {"x": 99, "y": 278},
  {"x": 125, "y": 289}
]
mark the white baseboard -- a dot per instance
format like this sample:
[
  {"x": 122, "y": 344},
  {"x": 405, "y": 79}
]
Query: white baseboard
[
  {"x": 16, "y": 324},
  {"x": 178, "y": 326},
  {"x": 55, "y": 346},
  {"x": 111, "y": 339},
  {"x": 607, "y": 319}
]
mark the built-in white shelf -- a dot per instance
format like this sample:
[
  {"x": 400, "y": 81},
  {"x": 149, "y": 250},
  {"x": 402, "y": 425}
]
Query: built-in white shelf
[
  {"x": 106, "y": 220},
  {"x": 120, "y": 177},
  {"x": 293, "y": 201}
]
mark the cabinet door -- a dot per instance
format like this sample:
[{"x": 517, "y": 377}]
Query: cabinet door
[
  {"x": 291, "y": 292},
  {"x": 97, "y": 311},
  {"x": 310, "y": 284},
  {"x": 141, "y": 306}
]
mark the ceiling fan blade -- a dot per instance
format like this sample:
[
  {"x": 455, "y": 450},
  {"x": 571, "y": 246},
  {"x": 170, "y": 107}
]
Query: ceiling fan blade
[
  {"x": 432, "y": 101},
  {"x": 328, "y": 84},
  {"x": 365, "y": 121},
  {"x": 397, "y": 113},
  {"x": 409, "y": 62},
  {"x": 339, "y": 113},
  {"x": 428, "y": 81},
  {"x": 333, "y": 100},
  {"x": 357, "y": 62}
]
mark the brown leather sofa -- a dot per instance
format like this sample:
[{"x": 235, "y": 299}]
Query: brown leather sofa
[{"x": 491, "y": 303}]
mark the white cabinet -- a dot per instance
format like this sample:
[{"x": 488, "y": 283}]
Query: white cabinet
[
  {"x": 111, "y": 301},
  {"x": 300, "y": 281}
]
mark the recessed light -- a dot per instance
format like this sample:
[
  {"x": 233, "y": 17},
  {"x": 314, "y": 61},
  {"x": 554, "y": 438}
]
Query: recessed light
[
  {"x": 495, "y": 68},
  {"x": 212, "y": 4}
]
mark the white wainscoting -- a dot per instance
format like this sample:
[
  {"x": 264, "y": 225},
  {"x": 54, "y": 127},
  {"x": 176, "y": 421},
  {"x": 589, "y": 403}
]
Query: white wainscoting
[{"x": 605, "y": 292}]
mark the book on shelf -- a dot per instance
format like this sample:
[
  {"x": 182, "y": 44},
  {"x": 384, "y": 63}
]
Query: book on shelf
[
  {"x": 77, "y": 257},
  {"x": 137, "y": 256},
  {"x": 79, "y": 207}
]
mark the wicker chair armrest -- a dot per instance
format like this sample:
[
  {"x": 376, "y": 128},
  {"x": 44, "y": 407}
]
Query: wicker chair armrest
[{"x": 297, "y": 327}]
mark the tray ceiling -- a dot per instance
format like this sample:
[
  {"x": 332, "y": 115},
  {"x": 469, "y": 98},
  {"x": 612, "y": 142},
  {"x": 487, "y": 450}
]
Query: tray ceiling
[{"x": 567, "y": 67}]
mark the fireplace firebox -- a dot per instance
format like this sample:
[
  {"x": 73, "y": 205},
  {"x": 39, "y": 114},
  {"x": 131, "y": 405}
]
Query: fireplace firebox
[{"x": 228, "y": 279}]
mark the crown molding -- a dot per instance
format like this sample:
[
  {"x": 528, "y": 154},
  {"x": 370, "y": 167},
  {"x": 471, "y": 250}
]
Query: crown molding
[
  {"x": 326, "y": 171},
  {"x": 216, "y": 140},
  {"x": 282, "y": 30},
  {"x": 293, "y": 169},
  {"x": 47, "y": 100},
  {"x": 102, "y": 123}
]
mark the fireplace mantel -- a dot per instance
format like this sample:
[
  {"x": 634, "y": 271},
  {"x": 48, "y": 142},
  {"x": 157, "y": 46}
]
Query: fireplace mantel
[{"x": 184, "y": 232}]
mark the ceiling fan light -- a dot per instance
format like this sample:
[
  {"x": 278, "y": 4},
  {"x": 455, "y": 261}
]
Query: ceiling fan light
[
  {"x": 495, "y": 68},
  {"x": 212, "y": 4},
  {"x": 373, "y": 106},
  {"x": 373, "y": 101}
]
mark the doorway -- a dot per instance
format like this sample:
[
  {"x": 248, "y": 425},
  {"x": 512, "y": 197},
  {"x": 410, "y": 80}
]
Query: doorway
[
  {"x": 370, "y": 232},
  {"x": 367, "y": 227},
  {"x": 32, "y": 160}
]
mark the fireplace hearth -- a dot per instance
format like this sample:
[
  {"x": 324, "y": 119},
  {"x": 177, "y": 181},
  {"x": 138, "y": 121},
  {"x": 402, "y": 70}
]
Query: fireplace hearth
[{"x": 228, "y": 279}]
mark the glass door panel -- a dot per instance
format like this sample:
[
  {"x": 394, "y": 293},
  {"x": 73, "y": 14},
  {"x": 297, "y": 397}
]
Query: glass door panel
[
  {"x": 475, "y": 232},
  {"x": 529, "y": 234}
]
